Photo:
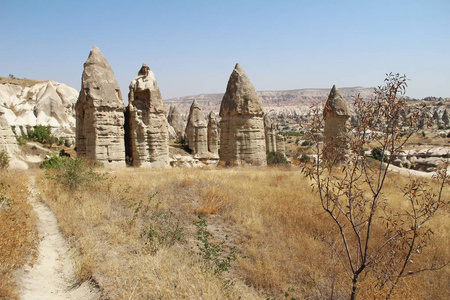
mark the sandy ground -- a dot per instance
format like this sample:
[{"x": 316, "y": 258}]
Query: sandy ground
[{"x": 52, "y": 275}]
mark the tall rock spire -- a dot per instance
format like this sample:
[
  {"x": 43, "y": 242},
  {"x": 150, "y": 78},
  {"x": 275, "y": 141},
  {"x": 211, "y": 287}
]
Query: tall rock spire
[
  {"x": 336, "y": 114},
  {"x": 242, "y": 139},
  {"x": 196, "y": 130},
  {"x": 100, "y": 113},
  {"x": 147, "y": 127}
]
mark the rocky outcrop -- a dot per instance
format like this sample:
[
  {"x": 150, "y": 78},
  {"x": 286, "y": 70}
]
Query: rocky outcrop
[
  {"x": 213, "y": 134},
  {"x": 270, "y": 135},
  {"x": 100, "y": 113},
  {"x": 336, "y": 114},
  {"x": 147, "y": 136},
  {"x": 242, "y": 139},
  {"x": 176, "y": 121},
  {"x": 26, "y": 103},
  {"x": 445, "y": 118},
  {"x": 196, "y": 131},
  {"x": 280, "y": 144}
]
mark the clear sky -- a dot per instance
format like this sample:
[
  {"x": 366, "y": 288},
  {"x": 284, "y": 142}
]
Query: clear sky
[{"x": 192, "y": 46}]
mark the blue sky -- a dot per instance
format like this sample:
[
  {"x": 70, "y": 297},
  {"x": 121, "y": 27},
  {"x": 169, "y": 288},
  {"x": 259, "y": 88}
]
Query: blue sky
[{"x": 192, "y": 46}]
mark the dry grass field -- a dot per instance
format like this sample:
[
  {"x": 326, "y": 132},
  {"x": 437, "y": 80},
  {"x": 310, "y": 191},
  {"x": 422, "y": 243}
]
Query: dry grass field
[
  {"x": 138, "y": 235},
  {"x": 18, "y": 234}
]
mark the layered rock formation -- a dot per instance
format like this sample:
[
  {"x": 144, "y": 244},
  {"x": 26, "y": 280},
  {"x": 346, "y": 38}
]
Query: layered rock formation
[
  {"x": 196, "y": 130},
  {"x": 280, "y": 144},
  {"x": 147, "y": 123},
  {"x": 176, "y": 121},
  {"x": 336, "y": 114},
  {"x": 100, "y": 113},
  {"x": 26, "y": 103},
  {"x": 213, "y": 134},
  {"x": 242, "y": 139},
  {"x": 270, "y": 135}
]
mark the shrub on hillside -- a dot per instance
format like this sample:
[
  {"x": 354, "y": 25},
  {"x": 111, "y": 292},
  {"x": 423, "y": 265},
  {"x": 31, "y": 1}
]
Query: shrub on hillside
[
  {"x": 71, "y": 172},
  {"x": 42, "y": 134},
  {"x": 276, "y": 158},
  {"x": 4, "y": 160}
]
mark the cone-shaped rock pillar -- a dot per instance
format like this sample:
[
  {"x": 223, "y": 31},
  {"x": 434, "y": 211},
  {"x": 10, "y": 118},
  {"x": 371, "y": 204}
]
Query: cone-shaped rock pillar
[
  {"x": 213, "y": 134},
  {"x": 242, "y": 139},
  {"x": 148, "y": 143},
  {"x": 100, "y": 113},
  {"x": 270, "y": 134},
  {"x": 176, "y": 121},
  {"x": 196, "y": 130},
  {"x": 336, "y": 115}
]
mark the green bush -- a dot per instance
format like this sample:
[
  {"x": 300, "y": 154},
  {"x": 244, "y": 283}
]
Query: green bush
[
  {"x": 276, "y": 158},
  {"x": 213, "y": 253},
  {"x": 42, "y": 135},
  {"x": 291, "y": 133},
  {"x": 21, "y": 139},
  {"x": 70, "y": 172},
  {"x": 306, "y": 143},
  {"x": 305, "y": 159},
  {"x": 4, "y": 160},
  {"x": 378, "y": 154}
]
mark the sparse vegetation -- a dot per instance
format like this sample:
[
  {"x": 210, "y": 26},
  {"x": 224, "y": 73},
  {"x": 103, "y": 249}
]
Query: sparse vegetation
[
  {"x": 18, "y": 235},
  {"x": 72, "y": 173},
  {"x": 276, "y": 158},
  {"x": 4, "y": 160},
  {"x": 42, "y": 134},
  {"x": 276, "y": 230},
  {"x": 374, "y": 240},
  {"x": 213, "y": 253}
]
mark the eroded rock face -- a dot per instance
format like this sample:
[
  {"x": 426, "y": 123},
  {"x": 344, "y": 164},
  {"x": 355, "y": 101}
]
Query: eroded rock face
[
  {"x": 242, "y": 139},
  {"x": 100, "y": 113},
  {"x": 27, "y": 103},
  {"x": 148, "y": 138},
  {"x": 270, "y": 134},
  {"x": 196, "y": 130},
  {"x": 280, "y": 144},
  {"x": 336, "y": 114},
  {"x": 213, "y": 134},
  {"x": 176, "y": 121}
]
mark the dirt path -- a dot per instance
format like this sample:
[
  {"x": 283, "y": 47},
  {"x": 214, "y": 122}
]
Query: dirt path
[{"x": 52, "y": 276}]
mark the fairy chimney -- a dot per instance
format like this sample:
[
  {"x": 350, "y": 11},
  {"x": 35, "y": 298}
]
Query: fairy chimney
[
  {"x": 242, "y": 139},
  {"x": 148, "y": 138},
  {"x": 270, "y": 135},
  {"x": 336, "y": 115},
  {"x": 176, "y": 121},
  {"x": 100, "y": 113},
  {"x": 196, "y": 130},
  {"x": 213, "y": 134},
  {"x": 280, "y": 144}
]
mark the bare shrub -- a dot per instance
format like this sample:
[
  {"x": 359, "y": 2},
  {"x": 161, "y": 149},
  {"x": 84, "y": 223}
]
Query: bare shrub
[{"x": 374, "y": 241}]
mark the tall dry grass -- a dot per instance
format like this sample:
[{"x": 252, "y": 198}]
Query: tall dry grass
[
  {"x": 18, "y": 234},
  {"x": 270, "y": 215}
]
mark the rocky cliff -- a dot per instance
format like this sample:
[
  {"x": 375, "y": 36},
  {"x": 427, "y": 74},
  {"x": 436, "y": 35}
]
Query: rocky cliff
[{"x": 25, "y": 103}]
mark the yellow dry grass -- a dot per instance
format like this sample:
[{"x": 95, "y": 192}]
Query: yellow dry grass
[
  {"x": 18, "y": 235},
  {"x": 270, "y": 215}
]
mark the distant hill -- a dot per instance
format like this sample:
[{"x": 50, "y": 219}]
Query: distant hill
[{"x": 271, "y": 99}]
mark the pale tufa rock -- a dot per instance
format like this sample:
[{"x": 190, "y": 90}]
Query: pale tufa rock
[
  {"x": 196, "y": 131},
  {"x": 100, "y": 113},
  {"x": 336, "y": 114},
  {"x": 213, "y": 134},
  {"x": 242, "y": 139},
  {"x": 147, "y": 124}
]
